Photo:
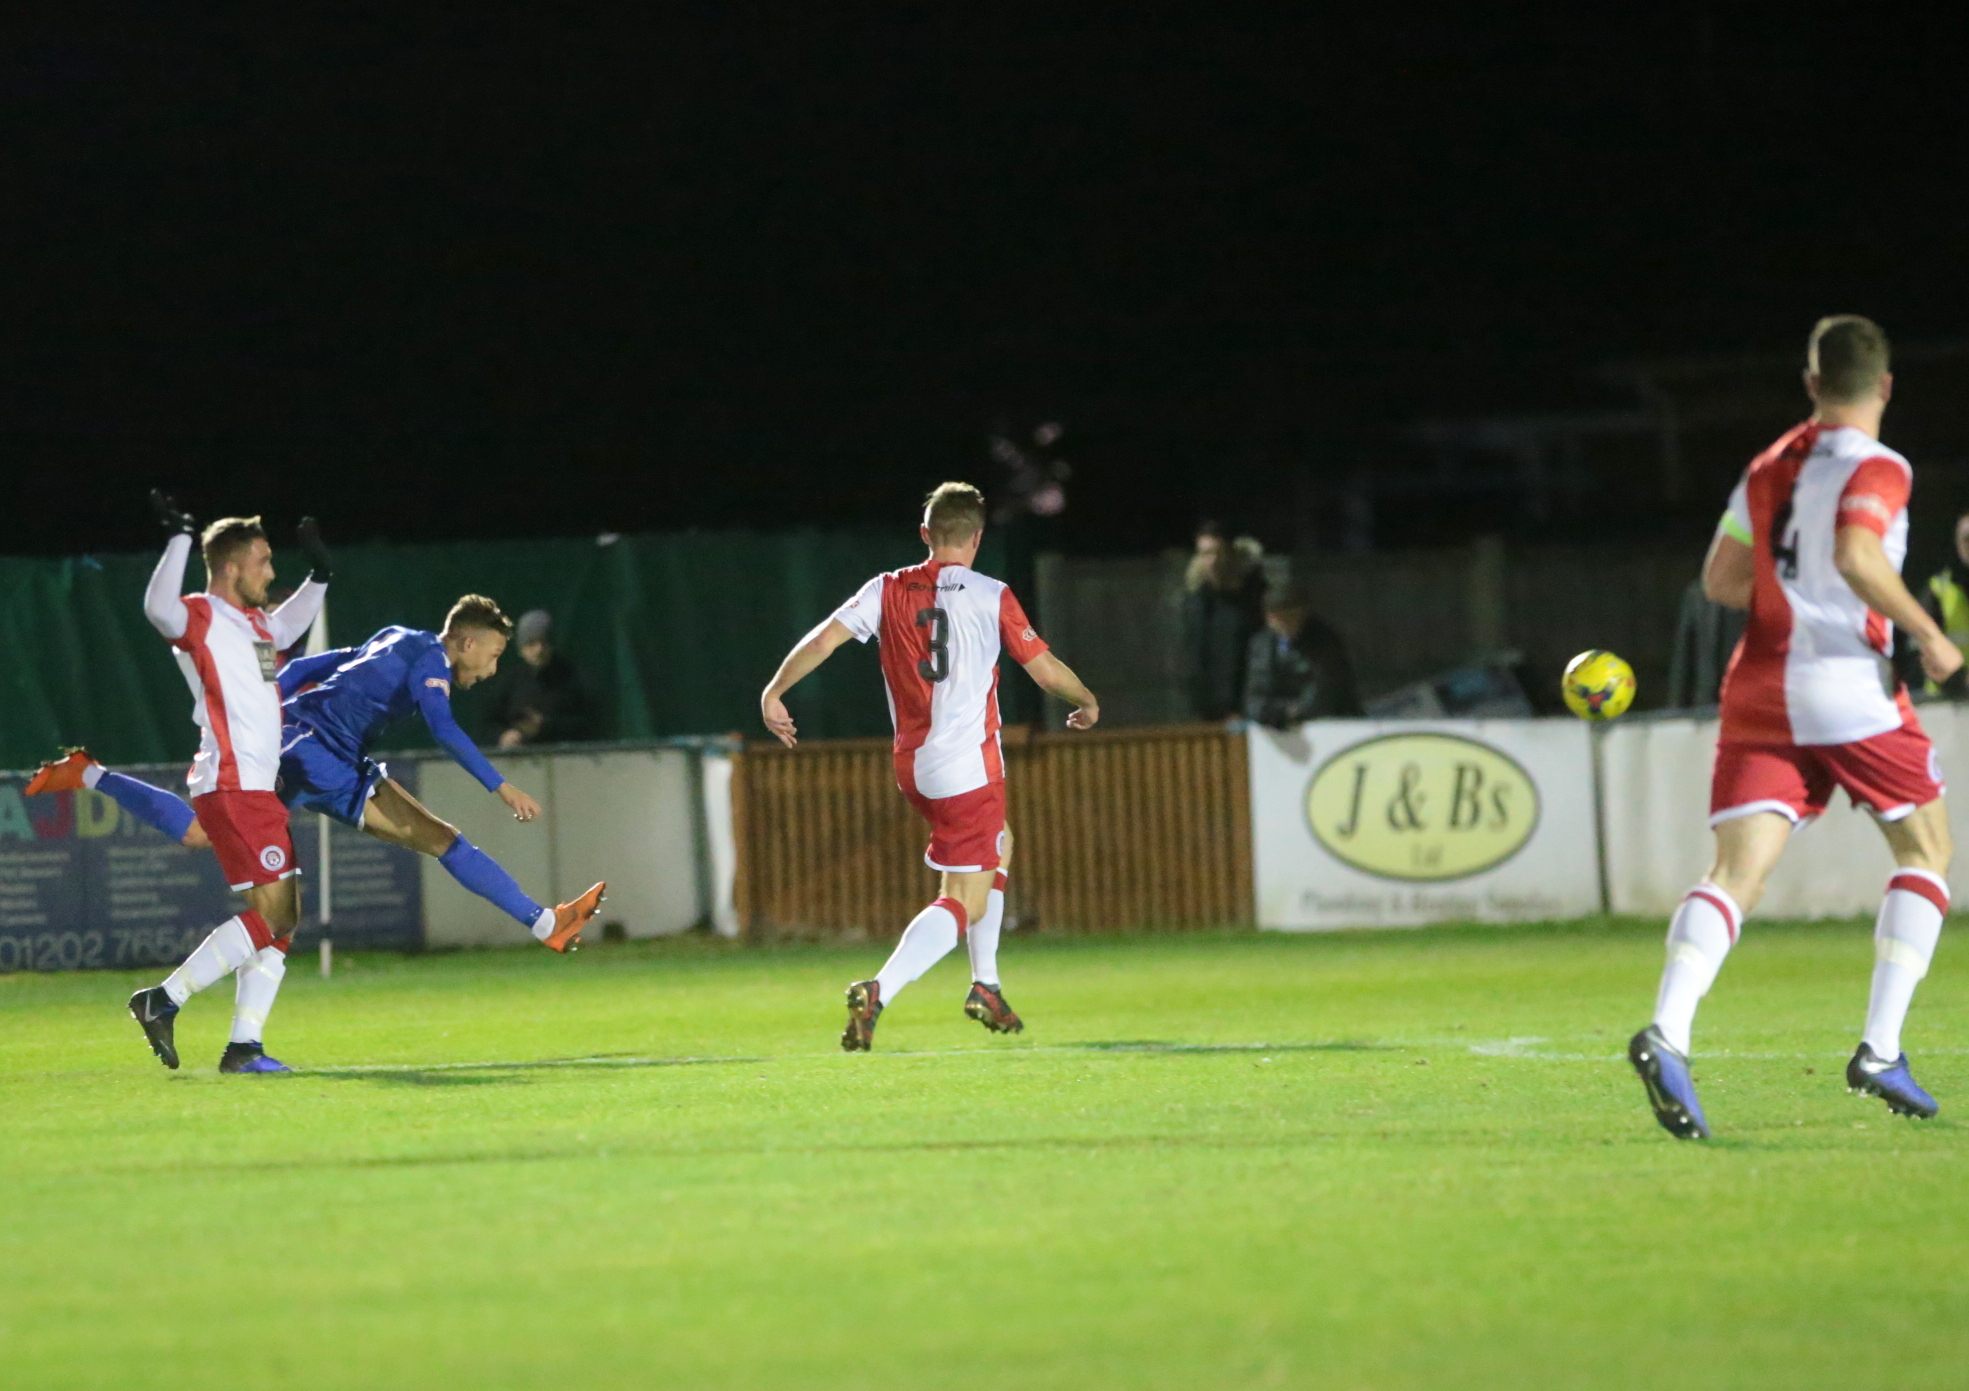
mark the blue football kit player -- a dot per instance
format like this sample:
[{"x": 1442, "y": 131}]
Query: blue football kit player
[
  {"x": 334, "y": 705},
  {"x": 338, "y": 701}
]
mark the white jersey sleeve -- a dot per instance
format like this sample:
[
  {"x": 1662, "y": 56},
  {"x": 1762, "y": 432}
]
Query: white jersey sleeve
[
  {"x": 862, "y": 615},
  {"x": 291, "y": 621},
  {"x": 164, "y": 597}
]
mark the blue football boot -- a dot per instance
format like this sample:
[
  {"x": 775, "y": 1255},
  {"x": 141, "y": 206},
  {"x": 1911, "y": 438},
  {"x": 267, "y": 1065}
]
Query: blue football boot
[
  {"x": 1671, "y": 1091},
  {"x": 249, "y": 1057},
  {"x": 1891, "y": 1082},
  {"x": 153, "y": 1010}
]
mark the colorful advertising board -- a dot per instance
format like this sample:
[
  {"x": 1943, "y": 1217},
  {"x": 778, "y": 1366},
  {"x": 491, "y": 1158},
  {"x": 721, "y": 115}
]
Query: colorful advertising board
[{"x": 84, "y": 885}]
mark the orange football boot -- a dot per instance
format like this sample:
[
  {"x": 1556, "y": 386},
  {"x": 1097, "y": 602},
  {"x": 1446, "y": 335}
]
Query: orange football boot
[
  {"x": 62, "y": 774},
  {"x": 570, "y": 918}
]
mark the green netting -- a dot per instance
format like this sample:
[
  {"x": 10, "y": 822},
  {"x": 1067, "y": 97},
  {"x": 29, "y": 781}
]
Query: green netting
[{"x": 672, "y": 634}]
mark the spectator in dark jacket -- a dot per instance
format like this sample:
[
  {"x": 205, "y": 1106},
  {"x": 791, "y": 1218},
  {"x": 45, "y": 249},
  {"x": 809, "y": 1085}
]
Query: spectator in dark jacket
[
  {"x": 544, "y": 704},
  {"x": 1223, "y": 605},
  {"x": 1297, "y": 666}
]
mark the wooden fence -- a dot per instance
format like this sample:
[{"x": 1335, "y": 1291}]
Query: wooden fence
[{"x": 1138, "y": 827}]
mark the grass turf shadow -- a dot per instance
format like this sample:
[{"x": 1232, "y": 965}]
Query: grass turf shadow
[
  {"x": 1153, "y": 1045},
  {"x": 497, "y": 1073}
]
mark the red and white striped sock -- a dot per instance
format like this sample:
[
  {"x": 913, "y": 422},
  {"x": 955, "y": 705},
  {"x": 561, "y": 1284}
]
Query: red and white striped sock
[
  {"x": 929, "y": 938},
  {"x": 1700, "y": 935},
  {"x": 1904, "y": 937},
  {"x": 984, "y": 935}
]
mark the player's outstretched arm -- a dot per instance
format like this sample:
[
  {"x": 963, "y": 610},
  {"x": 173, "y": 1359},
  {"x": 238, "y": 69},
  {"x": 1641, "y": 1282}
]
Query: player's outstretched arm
[
  {"x": 433, "y": 696},
  {"x": 164, "y": 597},
  {"x": 1056, "y": 678},
  {"x": 1863, "y": 563},
  {"x": 307, "y": 671},
  {"x": 806, "y": 657}
]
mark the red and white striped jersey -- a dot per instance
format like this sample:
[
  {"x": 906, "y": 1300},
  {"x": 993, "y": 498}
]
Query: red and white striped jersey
[
  {"x": 941, "y": 628},
  {"x": 230, "y": 657},
  {"x": 1813, "y": 664}
]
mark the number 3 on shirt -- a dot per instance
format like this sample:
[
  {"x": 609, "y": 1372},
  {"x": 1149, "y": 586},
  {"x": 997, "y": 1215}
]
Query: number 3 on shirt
[{"x": 936, "y": 666}]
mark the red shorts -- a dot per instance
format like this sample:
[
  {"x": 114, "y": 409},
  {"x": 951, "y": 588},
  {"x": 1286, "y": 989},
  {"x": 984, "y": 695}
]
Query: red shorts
[
  {"x": 967, "y": 832},
  {"x": 248, "y": 831},
  {"x": 1891, "y": 774}
]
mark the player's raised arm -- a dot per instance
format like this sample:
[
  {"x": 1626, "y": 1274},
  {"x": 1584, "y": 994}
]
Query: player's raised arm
[
  {"x": 164, "y": 597},
  {"x": 291, "y": 621},
  {"x": 1056, "y": 678},
  {"x": 805, "y": 658}
]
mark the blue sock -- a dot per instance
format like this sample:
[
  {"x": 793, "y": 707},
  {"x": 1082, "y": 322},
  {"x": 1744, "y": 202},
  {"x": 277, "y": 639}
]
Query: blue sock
[
  {"x": 480, "y": 873},
  {"x": 151, "y": 805}
]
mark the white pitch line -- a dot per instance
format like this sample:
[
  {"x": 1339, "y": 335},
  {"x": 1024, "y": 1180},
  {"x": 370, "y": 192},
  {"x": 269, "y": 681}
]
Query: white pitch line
[{"x": 1519, "y": 1048}]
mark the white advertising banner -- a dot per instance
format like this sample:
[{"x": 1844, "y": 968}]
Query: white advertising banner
[
  {"x": 1657, "y": 823},
  {"x": 1372, "y": 823}
]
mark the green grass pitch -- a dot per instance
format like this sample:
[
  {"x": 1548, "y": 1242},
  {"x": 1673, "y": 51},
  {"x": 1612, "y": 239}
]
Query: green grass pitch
[{"x": 1381, "y": 1161}]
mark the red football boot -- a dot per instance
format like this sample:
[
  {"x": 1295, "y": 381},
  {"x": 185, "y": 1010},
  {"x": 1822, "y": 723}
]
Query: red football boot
[
  {"x": 62, "y": 774},
  {"x": 570, "y": 918}
]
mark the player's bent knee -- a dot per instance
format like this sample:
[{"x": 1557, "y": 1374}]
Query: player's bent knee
[
  {"x": 434, "y": 839},
  {"x": 282, "y": 914}
]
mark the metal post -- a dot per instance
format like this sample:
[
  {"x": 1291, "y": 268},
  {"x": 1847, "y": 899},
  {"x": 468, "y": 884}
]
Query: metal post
[
  {"x": 1597, "y": 738},
  {"x": 324, "y": 895}
]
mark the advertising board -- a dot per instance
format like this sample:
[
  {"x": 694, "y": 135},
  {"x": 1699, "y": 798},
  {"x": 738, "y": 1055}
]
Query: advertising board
[
  {"x": 85, "y": 885},
  {"x": 1365, "y": 823}
]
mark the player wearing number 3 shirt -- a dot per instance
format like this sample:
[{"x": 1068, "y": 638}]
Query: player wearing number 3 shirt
[
  {"x": 942, "y": 626},
  {"x": 1812, "y": 545}
]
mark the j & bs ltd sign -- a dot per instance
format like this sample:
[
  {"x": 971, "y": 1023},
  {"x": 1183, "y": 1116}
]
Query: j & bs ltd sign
[{"x": 1384, "y": 823}]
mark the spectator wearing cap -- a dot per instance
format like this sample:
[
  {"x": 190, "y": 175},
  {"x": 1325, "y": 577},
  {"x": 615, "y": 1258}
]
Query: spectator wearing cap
[
  {"x": 1297, "y": 667},
  {"x": 544, "y": 704},
  {"x": 1223, "y": 605}
]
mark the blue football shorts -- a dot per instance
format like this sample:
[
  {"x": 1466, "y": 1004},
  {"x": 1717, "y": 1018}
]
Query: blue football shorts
[{"x": 314, "y": 776}]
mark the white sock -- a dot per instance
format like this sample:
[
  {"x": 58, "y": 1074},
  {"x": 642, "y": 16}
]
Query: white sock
[
  {"x": 1700, "y": 935},
  {"x": 1904, "y": 937},
  {"x": 218, "y": 956},
  {"x": 983, "y": 936},
  {"x": 92, "y": 775},
  {"x": 926, "y": 941},
  {"x": 543, "y": 926},
  {"x": 254, "y": 987}
]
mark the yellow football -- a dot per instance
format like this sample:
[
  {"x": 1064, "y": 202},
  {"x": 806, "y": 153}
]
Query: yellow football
[{"x": 1597, "y": 685}]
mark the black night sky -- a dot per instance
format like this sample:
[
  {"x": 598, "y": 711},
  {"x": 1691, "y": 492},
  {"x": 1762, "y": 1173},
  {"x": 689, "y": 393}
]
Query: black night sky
[{"x": 511, "y": 272}]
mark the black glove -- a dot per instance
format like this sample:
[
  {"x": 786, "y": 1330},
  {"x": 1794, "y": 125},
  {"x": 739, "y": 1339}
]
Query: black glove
[
  {"x": 308, "y": 533},
  {"x": 167, "y": 511}
]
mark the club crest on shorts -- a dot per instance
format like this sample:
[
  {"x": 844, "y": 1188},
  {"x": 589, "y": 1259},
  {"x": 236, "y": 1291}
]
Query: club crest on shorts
[{"x": 273, "y": 857}]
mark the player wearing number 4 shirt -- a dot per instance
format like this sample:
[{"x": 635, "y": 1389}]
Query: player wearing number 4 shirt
[
  {"x": 941, "y": 626},
  {"x": 1812, "y": 545}
]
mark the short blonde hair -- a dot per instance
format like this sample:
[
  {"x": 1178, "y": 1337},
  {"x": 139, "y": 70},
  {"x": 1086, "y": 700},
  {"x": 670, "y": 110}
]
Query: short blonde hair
[
  {"x": 477, "y": 611},
  {"x": 1849, "y": 355},
  {"x": 226, "y": 538},
  {"x": 954, "y": 513}
]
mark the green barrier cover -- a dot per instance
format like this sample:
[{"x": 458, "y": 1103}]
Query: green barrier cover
[{"x": 672, "y": 634}]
